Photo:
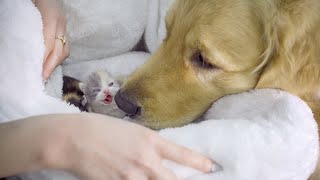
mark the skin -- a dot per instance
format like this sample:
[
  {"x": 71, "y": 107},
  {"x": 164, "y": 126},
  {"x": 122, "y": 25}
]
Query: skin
[
  {"x": 84, "y": 144},
  {"x": 54, "y": 25}
]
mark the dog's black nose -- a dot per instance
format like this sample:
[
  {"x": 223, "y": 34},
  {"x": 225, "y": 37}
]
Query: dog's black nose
[{"x": 126, "y": 103}]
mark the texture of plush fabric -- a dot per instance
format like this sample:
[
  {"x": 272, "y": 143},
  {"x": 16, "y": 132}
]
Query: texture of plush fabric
[{"x": 253, "y": 135}]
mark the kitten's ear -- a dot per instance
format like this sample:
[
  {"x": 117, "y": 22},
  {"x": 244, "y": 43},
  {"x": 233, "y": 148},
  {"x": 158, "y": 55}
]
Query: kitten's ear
[
  {"x": 82, "y": 86},
  {"x": 84, "y": 100}
]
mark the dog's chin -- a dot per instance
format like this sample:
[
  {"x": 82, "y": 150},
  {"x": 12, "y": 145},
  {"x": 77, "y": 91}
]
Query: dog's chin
[
  {"x": 160, "y": 121},
  {"x": 148, "y": 124},
  {"x": 155, "y": 124}
]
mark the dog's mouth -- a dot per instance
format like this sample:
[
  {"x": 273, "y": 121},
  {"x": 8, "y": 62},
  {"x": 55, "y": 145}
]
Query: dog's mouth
[
  {"x": 108, "y": 99},
  {"x": 136, "y": 114}
]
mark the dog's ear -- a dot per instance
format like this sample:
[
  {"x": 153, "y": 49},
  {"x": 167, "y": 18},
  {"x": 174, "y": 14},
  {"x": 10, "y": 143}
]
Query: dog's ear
[
  {"x": 270, "y": 25},
  {"x": 291, "y": 38}
]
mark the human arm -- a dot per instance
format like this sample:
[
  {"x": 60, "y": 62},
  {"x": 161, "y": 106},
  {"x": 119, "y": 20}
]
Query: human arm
[
  {"x": 23, "y": 146},
  {"x": 91, "y": 146}
]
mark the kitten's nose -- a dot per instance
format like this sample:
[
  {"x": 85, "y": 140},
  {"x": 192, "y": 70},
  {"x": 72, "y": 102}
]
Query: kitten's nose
[
  {"x": 126, "y": 103},
  {"x": 106, "y": 93}
]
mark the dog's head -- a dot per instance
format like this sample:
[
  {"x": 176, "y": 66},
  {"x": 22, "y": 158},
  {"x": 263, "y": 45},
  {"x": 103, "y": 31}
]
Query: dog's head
[{"x": 213, "y": 48}]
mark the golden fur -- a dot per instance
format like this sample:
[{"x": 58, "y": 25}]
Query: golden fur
[{"x": 245, "y": 44}]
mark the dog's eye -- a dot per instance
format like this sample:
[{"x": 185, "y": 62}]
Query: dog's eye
[
  {"x": 111, "y": 84},
  {"x": 199, "y": 60}
]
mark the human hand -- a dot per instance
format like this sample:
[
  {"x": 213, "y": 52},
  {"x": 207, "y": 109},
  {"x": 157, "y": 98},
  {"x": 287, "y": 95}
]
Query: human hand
[
  {"x": 54, "y": 26},
  {"x": 101, "y": 147}
]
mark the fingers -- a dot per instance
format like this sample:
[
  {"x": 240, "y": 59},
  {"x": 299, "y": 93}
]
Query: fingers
[
  {"x": 184, "y": 156},
  {"x": 164, "y": 173},
  {"x": 50, "y": 20},
  {"x": 54, "y": 25},
  {"x": 66, "y": 51},
  {"x": 150, "y": 169},
  {"x": 57, "y": 54},
  {"x": 49, "y": 39},
  {"x": 54, "y": 59}
]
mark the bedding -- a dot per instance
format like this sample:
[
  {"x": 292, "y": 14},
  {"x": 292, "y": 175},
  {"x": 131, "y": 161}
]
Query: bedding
[{"x": 262, "y": 134}]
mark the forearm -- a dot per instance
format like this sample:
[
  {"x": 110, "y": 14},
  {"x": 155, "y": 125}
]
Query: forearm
[{"x": 28, "y": 145}]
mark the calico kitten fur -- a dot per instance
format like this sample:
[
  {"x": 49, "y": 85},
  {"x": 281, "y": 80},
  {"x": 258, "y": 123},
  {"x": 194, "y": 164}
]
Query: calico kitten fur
[
  {"x": 99, "y": 90},
  {"x": 72, "y": 93}
]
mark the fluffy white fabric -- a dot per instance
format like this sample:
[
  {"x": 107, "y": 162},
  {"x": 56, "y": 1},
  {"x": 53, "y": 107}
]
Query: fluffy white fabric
[
  {"x": 103, "y": 28},
  {"x": 263, "y": 134},
  {"x": 21, "y": 50}
]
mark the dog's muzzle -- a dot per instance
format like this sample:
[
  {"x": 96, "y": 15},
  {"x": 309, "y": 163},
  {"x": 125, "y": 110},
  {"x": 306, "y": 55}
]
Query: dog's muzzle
[{"x": 127, "y": 104}]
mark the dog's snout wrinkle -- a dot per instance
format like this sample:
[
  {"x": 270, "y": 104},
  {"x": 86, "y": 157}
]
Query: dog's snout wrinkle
[{"x": 126, "y": 103}]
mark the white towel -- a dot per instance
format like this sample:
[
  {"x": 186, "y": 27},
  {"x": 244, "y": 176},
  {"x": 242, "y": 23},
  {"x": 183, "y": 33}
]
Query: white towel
[{"x": 263, "y": 134}]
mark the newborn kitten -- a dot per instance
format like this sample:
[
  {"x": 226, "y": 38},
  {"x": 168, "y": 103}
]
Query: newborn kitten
[
  {"x": 72, "y": 93},
  {"x": 99, "y": 90}
]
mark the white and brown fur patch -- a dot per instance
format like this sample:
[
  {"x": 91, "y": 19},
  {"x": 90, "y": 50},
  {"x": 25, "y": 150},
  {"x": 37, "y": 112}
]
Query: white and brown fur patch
[
  {"x": 72, "y": 93},
  {"x": 99, "y": 90}
]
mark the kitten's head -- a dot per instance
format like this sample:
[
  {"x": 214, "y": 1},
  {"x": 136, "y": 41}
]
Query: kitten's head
[{"x": 100, "y": 88}]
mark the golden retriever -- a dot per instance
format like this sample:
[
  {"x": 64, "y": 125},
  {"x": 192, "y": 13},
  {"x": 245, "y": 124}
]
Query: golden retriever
[{"x": 218, "y": 47}]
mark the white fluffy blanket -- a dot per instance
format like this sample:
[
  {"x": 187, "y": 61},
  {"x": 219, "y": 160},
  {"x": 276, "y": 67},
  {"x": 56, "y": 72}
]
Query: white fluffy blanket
[{"x": 262, "y": 134}]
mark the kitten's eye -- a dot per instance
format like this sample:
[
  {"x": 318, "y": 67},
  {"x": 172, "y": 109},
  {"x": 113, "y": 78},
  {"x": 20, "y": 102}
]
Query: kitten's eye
[
  {"x": 96, "y": 90},
  {"x": 111, "y": 84},
  {"x": 199, "y": 61}
]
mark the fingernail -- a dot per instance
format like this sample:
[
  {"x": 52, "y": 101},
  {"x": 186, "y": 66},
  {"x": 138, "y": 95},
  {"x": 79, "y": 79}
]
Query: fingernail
[
  {"x": 44, "y": 76},
  {"x": 216, "y": 167},
  {"x": 208, "y": 166},
  {"x": 45, "y": 82}
]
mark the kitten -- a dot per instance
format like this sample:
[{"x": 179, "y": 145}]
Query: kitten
[
  {"x": 72, "y": 93},
  {"x": 99, "y": 90}
]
